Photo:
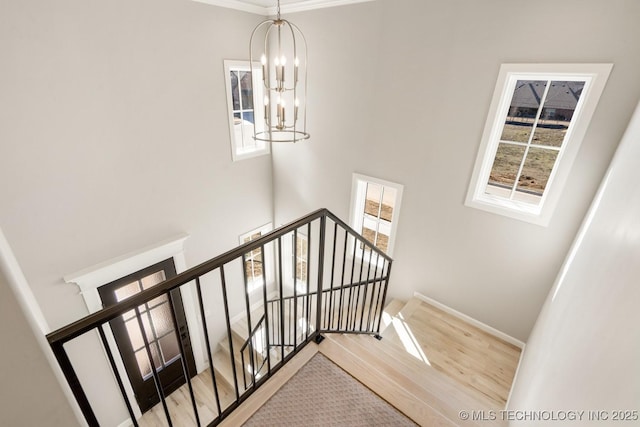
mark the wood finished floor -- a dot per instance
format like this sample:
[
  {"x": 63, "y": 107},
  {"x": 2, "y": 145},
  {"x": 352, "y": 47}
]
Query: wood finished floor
[{"x": 430, "y": 365}]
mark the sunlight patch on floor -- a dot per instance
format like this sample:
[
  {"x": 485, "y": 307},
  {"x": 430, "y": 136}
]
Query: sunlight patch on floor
[{"x": 409, "y": 340}]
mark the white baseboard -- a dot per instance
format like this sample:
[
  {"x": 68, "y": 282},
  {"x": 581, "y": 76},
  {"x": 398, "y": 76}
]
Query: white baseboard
[
  {"x": 471, "y": 320},
  {"x": 515, "y": 377}
]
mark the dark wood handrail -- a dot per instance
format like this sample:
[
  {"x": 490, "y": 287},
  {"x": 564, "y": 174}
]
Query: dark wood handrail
[{"x": 91, "y": 321}]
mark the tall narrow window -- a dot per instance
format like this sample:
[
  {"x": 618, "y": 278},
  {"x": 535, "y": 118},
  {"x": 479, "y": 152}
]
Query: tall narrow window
[
  {"x": 242, "y": 111},
  {"x": 536, "y": 123},
  {"x": 254, "y": 260},
  {"x": 302, "y": 256},
  {"x": 375, "y": 206}
]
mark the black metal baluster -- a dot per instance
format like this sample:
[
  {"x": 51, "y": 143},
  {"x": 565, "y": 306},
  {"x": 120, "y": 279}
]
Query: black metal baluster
[
  {"x": 183, "y": 359},
  {"x": 295, "y": 289},
  {"x": 154, "y": 371},
  {"x": 281, "y": 297},
  {"x": 333, "y": 268},
  {"x": 266, "y": 309},
  {"x": 356, "y": 240},
  {"x": 225, "y": 300},
  {"x": 373, "y": 292},
  {"x": 344, "y": 264},
  {"x": 384, "y": 295},
  {"x": 308, "y": 277},
  {"x": 366, "y": 289},
  {"x": 114, "y": 368},
  {"x": 321, "y": 243},
  {"x": 249, "y": 327},
  {"x": 73, "y": 381},
  {"x": 355, "y": 313},
  {"x": 205, "y": 331}
]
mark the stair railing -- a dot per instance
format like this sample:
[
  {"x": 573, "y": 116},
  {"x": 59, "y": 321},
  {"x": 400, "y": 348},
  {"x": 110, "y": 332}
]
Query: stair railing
[{"x": 326, "y": 278}]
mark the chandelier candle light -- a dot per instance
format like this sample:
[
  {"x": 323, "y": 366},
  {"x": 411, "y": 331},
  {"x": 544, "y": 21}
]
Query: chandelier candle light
[{"x": 282, "y": 50}]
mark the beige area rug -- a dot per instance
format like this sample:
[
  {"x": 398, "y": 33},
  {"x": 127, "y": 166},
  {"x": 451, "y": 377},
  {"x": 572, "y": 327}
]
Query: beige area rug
[{"x": 322, "y": 394}]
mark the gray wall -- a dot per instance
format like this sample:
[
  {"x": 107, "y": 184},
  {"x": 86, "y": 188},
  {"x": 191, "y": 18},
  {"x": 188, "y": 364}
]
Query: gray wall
[
  {"x": 114, "y": 136},
  {"x": 584, "y": 352},
  {"x": 400, "y": 89},
  {"x": 30, "y": 393}
]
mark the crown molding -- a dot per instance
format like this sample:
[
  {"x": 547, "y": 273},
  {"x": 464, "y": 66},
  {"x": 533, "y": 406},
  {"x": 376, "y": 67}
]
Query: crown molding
[{"x": 296, "y": 6}]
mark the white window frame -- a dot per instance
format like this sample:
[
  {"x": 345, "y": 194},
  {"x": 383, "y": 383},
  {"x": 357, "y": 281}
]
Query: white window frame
[
  {"x": 595, "y": 77},
  {"x": 260, "y": 148},
  {"x": 267, "y": 258},
  {"x": 358, "y": 197}
]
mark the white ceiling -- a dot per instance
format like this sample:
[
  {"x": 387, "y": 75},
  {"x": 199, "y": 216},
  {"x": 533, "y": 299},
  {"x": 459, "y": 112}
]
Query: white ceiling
[{"x": 268, "y": 7}]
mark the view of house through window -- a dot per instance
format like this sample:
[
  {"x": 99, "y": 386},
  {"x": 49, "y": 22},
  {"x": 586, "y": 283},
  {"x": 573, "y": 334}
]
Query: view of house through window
[
  {"x": 254, "y": 260},
  {"x": 240, "y": 100},
  {"x": 302, "y": 252},
  {"x": 536, "y": 122},
  {"x": 375, "y": 205},
  {"x": 535, "y": 129}
]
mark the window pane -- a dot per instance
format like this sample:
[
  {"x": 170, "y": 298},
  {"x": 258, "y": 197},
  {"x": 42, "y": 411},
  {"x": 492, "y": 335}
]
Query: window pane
[
  {"x": 247, "y": 120},
  {"x": 536, "y": 171},
  {"x": 235, "y": 90},
  {"x": 388, "y": 203},
  {"x": 245, "y": 90},
  {"x": 301, "y": 270},
  {"x": 372, "y": 202},
  {"x": 382, "y": 242},
  {"x": 369, "y": 234},
  {"x": 506, "y": 165},
  {"x": 557, "y": 112},
  {"x": 523, "y": 110}
]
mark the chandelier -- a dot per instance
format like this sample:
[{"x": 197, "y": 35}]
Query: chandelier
[{"x": 282, "y": 50}]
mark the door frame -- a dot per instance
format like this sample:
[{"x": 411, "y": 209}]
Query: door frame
[{"x": 90, "y": 279}]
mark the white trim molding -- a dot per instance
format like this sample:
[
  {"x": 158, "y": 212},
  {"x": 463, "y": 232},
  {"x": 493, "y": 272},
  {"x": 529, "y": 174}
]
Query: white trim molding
[
  {"x": 478, "y": 324},
  {"x": 265, "y": 8},
  {"x": 90, "y": 279}
]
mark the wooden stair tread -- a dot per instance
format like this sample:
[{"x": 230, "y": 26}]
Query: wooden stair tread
[
  {"x": 390, "y": 390},
  {"x": 390, "y": 311},
  {"x": 464, "y": 352},
  {"x": 422, "y": 393}
]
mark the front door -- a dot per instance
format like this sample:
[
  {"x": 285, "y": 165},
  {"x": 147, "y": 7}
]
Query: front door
[{"x": 160, "y": 331}]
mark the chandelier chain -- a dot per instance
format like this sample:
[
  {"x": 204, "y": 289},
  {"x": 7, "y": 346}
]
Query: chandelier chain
[{"x": 278, "y": 10}]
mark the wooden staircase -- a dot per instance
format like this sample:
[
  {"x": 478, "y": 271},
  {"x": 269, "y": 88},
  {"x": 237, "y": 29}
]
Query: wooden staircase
[{"x": 431, "y": 365}]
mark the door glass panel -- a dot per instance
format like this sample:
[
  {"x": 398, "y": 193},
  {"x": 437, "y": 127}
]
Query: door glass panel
[
  {"x": 134, "y": 334},
  {"x": 127, "y": 291},
  {"x": 143, "y": 362},
  {"x": 170, "y": 348},
  {"x": 153, "y": 279},
  {"x": 162, "y": 320},
  {"x": 147, "y": 326}
]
